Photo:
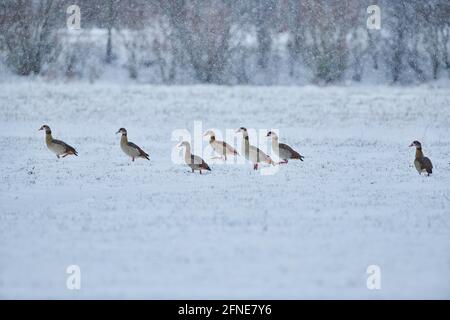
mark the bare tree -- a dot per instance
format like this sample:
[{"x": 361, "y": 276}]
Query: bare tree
[
  {"x": 395, "y": 45},
  {"x": 166, "y": 51},
  {"x": 203, "y": 30},
  {"x": 28, "y": 34},
  {"x": 263, "y": 15},
  {"x": 296, "y": 28},
  {"x": 327, "y": 24},
  {"x": 227, "y": 41}
]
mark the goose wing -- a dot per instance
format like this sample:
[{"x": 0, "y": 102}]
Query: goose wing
[
  {"x": 196, "y": 160},
  {"x": 68, "y": 148},
  {"x": 257, "y": 155},
  {"x": 287, "y": 151},
  {"x": 142, "y": 153},
  {"x": 229, "y": 148},
  {"x": 427, "y": 165},
  {"x": 224, "y": 148}
]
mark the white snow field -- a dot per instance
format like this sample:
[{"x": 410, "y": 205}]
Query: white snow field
[{"x": 155, "y": 230}]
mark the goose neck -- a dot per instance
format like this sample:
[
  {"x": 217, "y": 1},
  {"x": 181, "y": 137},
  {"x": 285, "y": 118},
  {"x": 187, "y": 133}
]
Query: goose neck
[
  {"x": 188, "y": 150},
  {"x": 245, "y": 144},
  {"x": 274, "y": 142},
  {"x": 48, "y": 137},
  {"x": 124, "y": 139},
  {"x": 419, "y": 153}
]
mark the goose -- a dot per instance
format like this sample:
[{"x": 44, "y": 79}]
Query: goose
[
  {"x": 252, "y": 153},
  {"x": 58, "y": 147},
  {"x": 220, "y": 147},
  {"x": 422, "y": 163},
  {"x": 282, "y": 150},
  {"x": 193, "y": 161},
  {"x": 129, "y": 148}
]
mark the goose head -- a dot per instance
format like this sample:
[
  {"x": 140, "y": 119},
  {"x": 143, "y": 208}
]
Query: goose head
[
  {"x": 272, "y": 134},
  {"x": 209, "y": 133},
  {"x": 183, "y": 144},
  {"x": 241, "y": 129},
  {"x": 416, "y": 144},
  {"x": 122, "y": 131},
  {"x": 46, "y": 128}
]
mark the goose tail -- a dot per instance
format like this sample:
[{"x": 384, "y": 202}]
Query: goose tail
[
  {"x": 298, "y": 156},
  {"x": 71, "y": 150}
]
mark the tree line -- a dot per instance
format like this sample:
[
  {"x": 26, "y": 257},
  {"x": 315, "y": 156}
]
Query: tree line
[{"x": 229, "y": 42}]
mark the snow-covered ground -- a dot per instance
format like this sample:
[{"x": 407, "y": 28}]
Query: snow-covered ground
[{"x": 155, "y": 230}]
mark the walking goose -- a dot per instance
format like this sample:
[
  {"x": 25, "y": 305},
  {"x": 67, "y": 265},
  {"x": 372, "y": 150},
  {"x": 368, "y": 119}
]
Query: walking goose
[
  {"x": 129, "y": 148},
  {"x": 252, "y": 153},
  {"x": 282, "y": 150},
  {"x": 58, "y": 147},
  {"x": 422, "y": 163},
  {"x": 220, "y": 147},
  {"x": 193, "y": 161}
]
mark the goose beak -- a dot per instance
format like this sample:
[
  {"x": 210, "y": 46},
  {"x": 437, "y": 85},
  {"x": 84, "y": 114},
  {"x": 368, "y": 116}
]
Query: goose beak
[
  {"x": 268, "y": 134},
  {"x": 411, "y": 145},
  {"x": 237, "y": 130},
  {"x": 118, "y": 132}
]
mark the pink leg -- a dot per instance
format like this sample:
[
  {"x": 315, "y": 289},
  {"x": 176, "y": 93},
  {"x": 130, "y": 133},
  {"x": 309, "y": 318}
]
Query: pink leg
[
  {"x": 132, "y": 158},
  {"x": 255, "y": 166}
]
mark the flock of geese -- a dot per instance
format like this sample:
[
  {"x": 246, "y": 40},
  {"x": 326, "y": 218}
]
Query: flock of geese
[{"x": 223, "y": 149}]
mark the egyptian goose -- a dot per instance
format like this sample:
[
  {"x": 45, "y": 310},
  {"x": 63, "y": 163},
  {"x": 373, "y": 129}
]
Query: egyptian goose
[
  {"x": 220, "y": 147},
  {"x": 252, "y": 153},
  {"x": 422, "y": 163},
  {"x": 58, "y": 147},
  {"x": 193, "y": 161},
  {"x": 282, "y": 150},
  {"x": 129, "y": 148}
]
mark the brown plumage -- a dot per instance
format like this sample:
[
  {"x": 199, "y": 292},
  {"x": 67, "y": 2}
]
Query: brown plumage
[
  {"x": 294, "y": 154},
  {"x": 422, "y": 163},
  {"x": 282, "y": 150},
  {"x": 252, "y": 153},
  {"x": 129, "y": 148},
  {"x": 220, "y": 147},
  {"x": 69, "y": 148},
  {"x": 193, "y": 161},
  {"x": 202, "y": 165},
  {"x": 60, "y": 148},
  {"x": 141, "y": 152}
]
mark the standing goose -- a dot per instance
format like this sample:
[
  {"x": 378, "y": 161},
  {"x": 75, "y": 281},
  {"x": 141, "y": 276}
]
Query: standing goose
[
  {"x": 282, "y": 150},
  {"x": 220, "y": 147},
  {"x": 422, "y": 163},
  {"x": 58, "y": 147},
  {"x": 193, "y": 161},
  {"x": 252, "y": 153},
  {"x": 129, "y": 148}
]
